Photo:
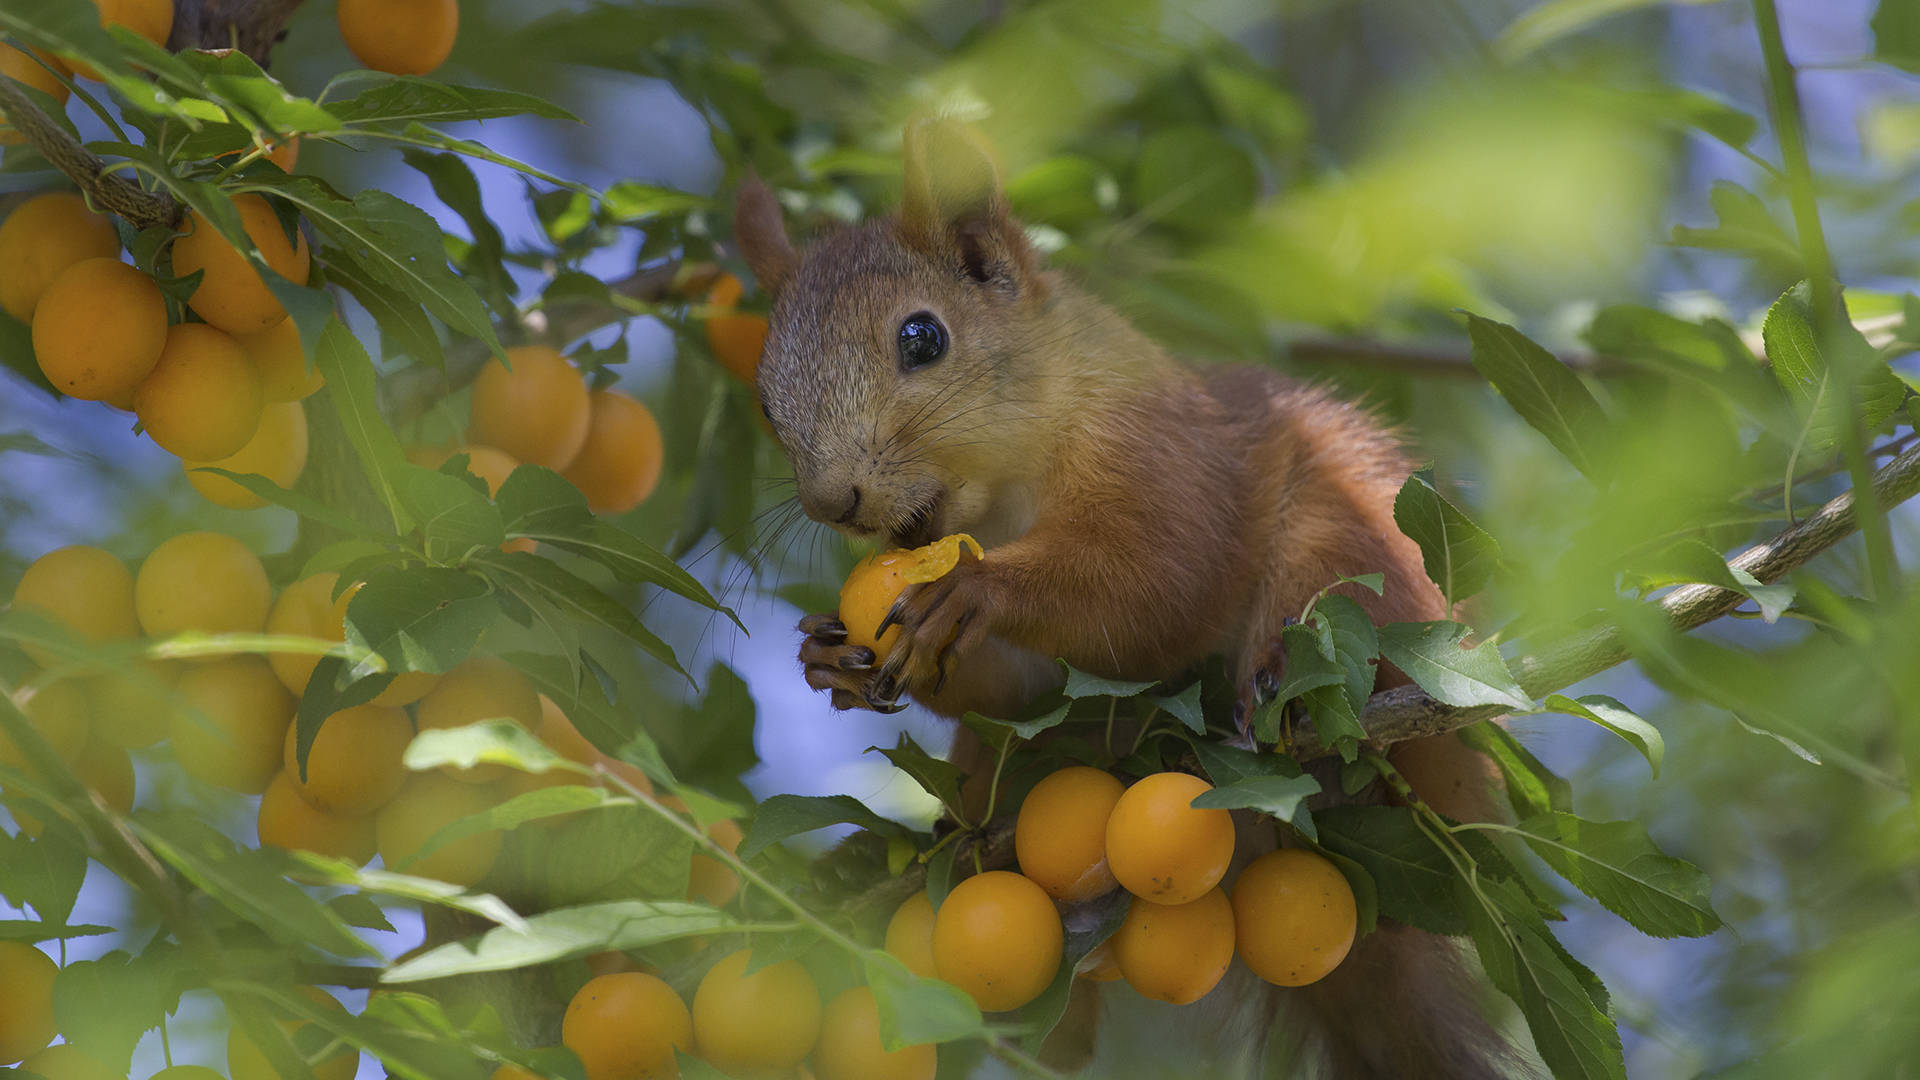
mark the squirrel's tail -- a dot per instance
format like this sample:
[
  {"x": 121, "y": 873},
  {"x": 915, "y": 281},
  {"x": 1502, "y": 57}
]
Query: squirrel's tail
[{"x": 1404, "y": 1005}]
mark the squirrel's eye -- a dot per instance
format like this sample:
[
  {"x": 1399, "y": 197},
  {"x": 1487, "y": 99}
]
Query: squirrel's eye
[{"x": 922, "y": 341}]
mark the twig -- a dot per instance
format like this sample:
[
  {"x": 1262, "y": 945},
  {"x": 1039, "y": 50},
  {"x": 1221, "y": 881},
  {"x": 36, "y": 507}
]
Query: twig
[
  {"x": 1408, "y": 712},
  {"x": 115, "y": 194}
]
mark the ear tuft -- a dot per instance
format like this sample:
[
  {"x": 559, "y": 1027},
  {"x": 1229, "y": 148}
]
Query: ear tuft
[
  {"x": 761, "y": 229},
  {"x": 954, "y": 208}
]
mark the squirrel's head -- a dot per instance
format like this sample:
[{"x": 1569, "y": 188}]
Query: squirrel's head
[{"x": 899, "y": 364}]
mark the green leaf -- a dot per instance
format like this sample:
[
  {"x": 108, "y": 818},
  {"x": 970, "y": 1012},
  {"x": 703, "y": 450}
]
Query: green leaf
[
  {"x": 405, "y": 330},
  {"x": 321, "y": 869},
  {"x": 915, "y": 1010},
  {"x": 1282, "y": 797},
  {"x": 497, "y": 741},
  {"x": 1431, "y": 654},
  {"x": 535, "y": 805},
  {"x": 1617, "y": 864},
  {"x": 1896, "y": 33},
  {"x": 1692, "y": 560},
  {"x": 1228, "y": 765},
  {"x": 300, "y": 503},
  {"x": 32, "y": 930},
  {"x": 938, "y": 777},
  {"x": 1087, "y": 926},
  {"x": 996, "y": 731},
  {"x": 143, "y": 990},
  {"x": 359, "y": 910},
  {"x": 614, "y": 731},
  {"x": 44, "y": 873},
  {"x": 1556, "y": 19},
  {"x": 1347, "y": 635},
  {"x": 250, "y": 883},
  {"x": 1575, "y": 1037},
  {"x": 1745, "y": 227},
  {"x": 1532, "y": 788},
  {"x": 424, "y": 618},
  {"x": 1412, "y": 876},
  {"x": 1543, "y": 391},
  {"x": 615, "y": 853},
  {"x": 711, "y": 742},
  {"x": 1082, "y": 685},
  {"x": 1815, "y": 381},
  {"x": 784, "y": 816},
  {"x": 1307, "y": 666},
  {"x": 1459, "y": 555},
  {"x": 628, "y": 202},
  {"x": 565, "y": 933},
  {"x": 1617, "y": 718},
  {"x": 410, "y": 100},
  {"x": 1335, "y": 718},
  {"x": 453, "y": 516},
  {"x": 330, "y": 688},
  {"x": 532, "y": 577},
  {"x": 1193, "y": 177},
  {"x": 1184, "y": 707},
  {"x": 253, "y": 95},
  {"x": 350, "y": 386},
  {"x": 1666, "y": 341}
]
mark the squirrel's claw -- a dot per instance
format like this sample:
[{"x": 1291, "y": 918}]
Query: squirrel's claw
[{"x": 824, "y": 627}]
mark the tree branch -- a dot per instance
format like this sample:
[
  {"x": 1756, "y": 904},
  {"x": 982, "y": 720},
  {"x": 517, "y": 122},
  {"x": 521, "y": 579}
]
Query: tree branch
[
  {"x": 1408, "y": 712},
  {"x": 114, "y": 194}
]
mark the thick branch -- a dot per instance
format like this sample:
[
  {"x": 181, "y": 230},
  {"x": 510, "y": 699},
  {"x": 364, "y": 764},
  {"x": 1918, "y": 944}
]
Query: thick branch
[
  {"x": 114, "y": 194},
  {"x": 1408, "y": 712}
]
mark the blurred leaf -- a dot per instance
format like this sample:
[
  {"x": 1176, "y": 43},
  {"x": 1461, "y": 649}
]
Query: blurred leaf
[
  {"x": 784, "y": 816},
  {"x": 350, "y": 385},
  {"x": 1616, "y": 863},
  {"x": 44, "y": 874},
  {"x": 1193, "y": 177},
  {"x": 614, "y": 853},
  {"x": 1896, "y": 33},
  {"x": 300, "y": 503},
  {"x": 1744, "y": 227},
  {"x": 498, "y": 741},
  {"x": 1639, "y": 333},
  {"x": 1556, "y": 19},
  {"x": 321, "y": 869},
  {"x": 915, "y": 1010},
  {"x": 33, "y": 930},
  {"x": 250, "y": 883},
  {"x": 142, "y": 991},
  {"x": 1431, "y": 654},
  {"x": 1248, "y": 100},
  {"x": 1065, "y": 192},
  {"x": 1543, "y": 391},
  {"x": 424, "y": 618},
  {"x": 1692, "y": 560},
  {"x": 1459, "y": 555},
  {"x": 563, "y": 934},
  {"x": 1532, "y": 788},
  {"x": 629, "y": 202},
  {"x": 358, "y": 909}
]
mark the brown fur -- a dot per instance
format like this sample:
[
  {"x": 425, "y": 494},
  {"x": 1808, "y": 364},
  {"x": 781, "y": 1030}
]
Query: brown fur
[{"x": 1139, "y": 515}]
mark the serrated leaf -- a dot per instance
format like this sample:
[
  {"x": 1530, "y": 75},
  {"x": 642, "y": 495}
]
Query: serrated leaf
[
  {"x": 1532, "y": 788},
  {"x": 937, "y": 776},
  {"x": 1347, "y": 633},
  {"x": 1617, "y": 864},
  {"x": 405, "y": 330},
  {"x": 533, "y": 577},
  {"x": 1082, "y": 685},
  {"x": 1543, "y": 391},
  {"x": 1459, "y": 555},
  {"x": 1431, "y": 654},
  {"x": 1227, "y": 765},
  {"x": 565, "y": 933},
  {"x": 1335, "y": 720},
  {"x": 409, "y": 100},
  {"x": 1184, "y": 707},
  {"x": 44, "y": 873},
  {"x": 1282, "y": 797},
  {"x": 1025, "y": 729},
  {"x": 424, "y": 618},
  {"x": 784, "y": 816},
  {"x": 1413, "y": 879},
  {"x": 143, "y": 990},
  {"x": 453, "y": 517},
  {"x": 615, "y": 853},
  {"x": 1617, "y": 718},
  {"x": 1575, "y": 1038},
  {"x": 1815, "y": 381},
  {"x": 915, "y": 1010},
  {"x": 350, "y": 386},
  {"x": 330, "y": 688}
]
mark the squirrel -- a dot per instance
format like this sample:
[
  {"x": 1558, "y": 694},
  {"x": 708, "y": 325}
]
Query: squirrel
[{"x": 926, "y": 375}]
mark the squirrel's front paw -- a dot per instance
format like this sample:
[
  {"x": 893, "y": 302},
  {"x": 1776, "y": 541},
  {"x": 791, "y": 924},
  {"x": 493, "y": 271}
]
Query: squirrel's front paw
[
  {"x": 846, "y": 671},
  {"x": 938, "y": 621}
]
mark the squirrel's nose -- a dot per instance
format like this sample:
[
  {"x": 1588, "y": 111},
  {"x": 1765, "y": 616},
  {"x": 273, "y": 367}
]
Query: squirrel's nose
[{"x": 853, "y": 507}]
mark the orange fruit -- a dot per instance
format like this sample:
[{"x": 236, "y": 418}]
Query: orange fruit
[
  {"x": 307, "y": 608},
  {"x": 400, "y": 37},
  {"x": 620, "y": 464},
  {"x": 133, "y": 708},
  {"x": 910, "y": 935},
  {"x": 538, "y": 412},
  {"x": 1060, "y": 836},
  {"x": 353, "y": 766},
  {"x": 85, "y": 589},
  {"x": 236, "y": 716},
  {"x": 202, "y": 400},
  {"x": 151, "y": 19},
  {"x": 277, "y": 451},
  {"x": 1294, "y": 915},
  {"x": 1176, "y": 952},
  {"x": 58, "y": 711},
  {"x": 66, "y": 1061},
  {"x": 850, "y": 1044},
  {"x": 709, "y": 880},
  {"x": 26, "y": 1001},
  {"x": 281, "y": 362},
  {"x": 288, "y": 821},
  {"x": 45, "y": 235},
  {"x": 626, "y": 1026},
  {"x": 204, "y": 581},
  {"x": 759, "y": 1023},
  {"x": 998, "y": 937},
  {"x": 232, "y": 296},
  {"x": 18, "y": 64},
  {"x": 481, "y": 688},
  {"x": 878, "y": 580},
  {"x": 1161, "y": 848},
  {"x": 245, "y": 1061},
  {"x": 429, "y": 802},
  {"x": 736, "y": 339},
  {"x": 99, "y": 329}
]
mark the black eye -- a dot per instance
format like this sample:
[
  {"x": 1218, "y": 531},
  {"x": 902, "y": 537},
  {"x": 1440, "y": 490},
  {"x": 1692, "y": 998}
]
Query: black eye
[{"x": 922, "y": 341}]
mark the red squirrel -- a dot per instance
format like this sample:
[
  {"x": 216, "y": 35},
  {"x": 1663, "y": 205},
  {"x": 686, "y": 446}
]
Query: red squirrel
[{"x": 927, "y": 376}]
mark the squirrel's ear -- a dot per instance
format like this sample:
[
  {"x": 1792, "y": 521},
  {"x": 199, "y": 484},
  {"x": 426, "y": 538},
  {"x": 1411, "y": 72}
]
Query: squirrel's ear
[
  {"x": 954, "y": 208},
  {"x": 762, "y": 232}
]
